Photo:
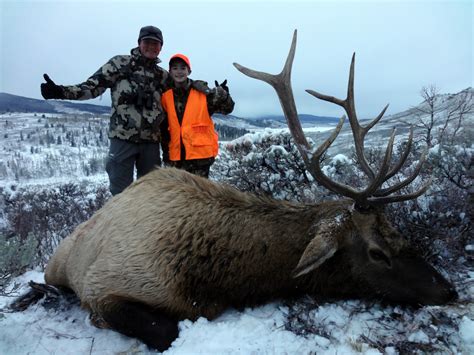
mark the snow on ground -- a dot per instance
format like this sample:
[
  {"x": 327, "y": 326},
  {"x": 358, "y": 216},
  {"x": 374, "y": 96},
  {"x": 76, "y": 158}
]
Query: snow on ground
[
  {"x": 67, "y": 330},
  {"x": 98, "y": 179}
]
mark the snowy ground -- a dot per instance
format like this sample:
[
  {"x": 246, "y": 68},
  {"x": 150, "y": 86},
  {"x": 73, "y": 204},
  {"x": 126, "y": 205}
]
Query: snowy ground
[{"x": 349, "y": 327}]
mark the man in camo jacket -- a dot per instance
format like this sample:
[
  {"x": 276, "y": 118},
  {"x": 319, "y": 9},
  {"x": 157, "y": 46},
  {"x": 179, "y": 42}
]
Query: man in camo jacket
[{"x": 136, "y": 83}]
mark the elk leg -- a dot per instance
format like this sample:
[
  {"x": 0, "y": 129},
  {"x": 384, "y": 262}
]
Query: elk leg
[
  {"x": 134, "y": 319},
  {"x": 37, "y": 291}
]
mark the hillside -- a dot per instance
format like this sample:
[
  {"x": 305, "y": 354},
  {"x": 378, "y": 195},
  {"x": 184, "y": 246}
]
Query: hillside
[
  {"x": 73, "y": 141},
  {"x": 12, "y": 103},
  {"x": 448, "y": 111}
]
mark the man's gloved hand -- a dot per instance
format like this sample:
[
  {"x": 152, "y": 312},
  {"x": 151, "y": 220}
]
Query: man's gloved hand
[
  {"x": 50, "y": 90},
  {"x": 222, "y": 85}
]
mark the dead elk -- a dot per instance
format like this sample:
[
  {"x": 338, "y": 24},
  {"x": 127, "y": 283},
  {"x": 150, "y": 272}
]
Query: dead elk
[{"x": 175, "y": 246}]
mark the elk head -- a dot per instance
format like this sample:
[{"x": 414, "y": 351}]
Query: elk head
[{"x": 362, "y": 252}]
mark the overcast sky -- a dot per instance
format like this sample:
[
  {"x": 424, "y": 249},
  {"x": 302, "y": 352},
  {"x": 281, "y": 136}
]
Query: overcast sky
[{"x": 400, "y": 46}]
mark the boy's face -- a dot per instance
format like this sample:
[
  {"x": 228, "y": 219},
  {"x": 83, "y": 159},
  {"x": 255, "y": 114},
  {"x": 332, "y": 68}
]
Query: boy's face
[{"x": 179, "y": 72}]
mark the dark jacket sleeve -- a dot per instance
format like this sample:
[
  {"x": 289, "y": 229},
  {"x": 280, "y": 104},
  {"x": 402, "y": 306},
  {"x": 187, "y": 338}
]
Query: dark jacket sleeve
[{"x": 96, "y": 85}]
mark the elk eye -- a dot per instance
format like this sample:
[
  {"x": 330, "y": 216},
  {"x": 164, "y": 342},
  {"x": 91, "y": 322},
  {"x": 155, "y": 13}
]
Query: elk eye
[{"x": 379, "y": 256}]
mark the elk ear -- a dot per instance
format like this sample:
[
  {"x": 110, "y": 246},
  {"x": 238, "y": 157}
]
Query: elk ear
[{"x": 322, "y": 247}]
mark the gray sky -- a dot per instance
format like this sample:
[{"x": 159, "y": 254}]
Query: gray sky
[{"x": 400, "y": 46}]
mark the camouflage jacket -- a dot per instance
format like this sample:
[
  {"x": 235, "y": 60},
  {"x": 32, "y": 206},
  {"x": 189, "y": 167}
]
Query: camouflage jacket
[
  {"x": 136, "y": 84},
  {"x": 218, "y": 101}
]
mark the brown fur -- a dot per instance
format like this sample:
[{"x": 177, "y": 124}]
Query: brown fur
[{"x": 192, "y": 247}]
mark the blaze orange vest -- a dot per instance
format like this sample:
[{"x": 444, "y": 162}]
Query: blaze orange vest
[{"x": 196, "y": 131}]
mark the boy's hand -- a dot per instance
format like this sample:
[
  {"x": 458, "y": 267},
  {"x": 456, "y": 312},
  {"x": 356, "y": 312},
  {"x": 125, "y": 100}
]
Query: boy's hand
[{"x": 222, "y": 85}]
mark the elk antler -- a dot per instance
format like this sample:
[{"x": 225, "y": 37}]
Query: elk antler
[{"x": 373, "y": 194}]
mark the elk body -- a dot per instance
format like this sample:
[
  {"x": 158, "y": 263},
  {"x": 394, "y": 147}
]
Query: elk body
[{"x": 175, "y": 246}]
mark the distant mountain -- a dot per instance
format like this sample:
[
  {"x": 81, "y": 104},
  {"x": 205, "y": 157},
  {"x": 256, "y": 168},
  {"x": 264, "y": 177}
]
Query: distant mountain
[
  {"x": 273, "y": 121},
  {"x": 304, "y": 119},
  {"x": 14, "y": 103},
  {"x": 247, "y": 123}
]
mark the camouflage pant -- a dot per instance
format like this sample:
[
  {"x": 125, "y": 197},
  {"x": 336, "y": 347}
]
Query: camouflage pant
[{"x": 124, "y": 157}]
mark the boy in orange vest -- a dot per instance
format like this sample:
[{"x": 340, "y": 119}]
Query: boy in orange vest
[{"x": 188, "y": 131}]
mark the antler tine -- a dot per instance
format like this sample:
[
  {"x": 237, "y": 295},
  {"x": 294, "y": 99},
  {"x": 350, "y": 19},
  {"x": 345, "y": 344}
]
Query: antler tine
[
  {"x": 327, "y": 98},
  {"x": 315, "y": 167},
  {"x": 282, "y": 85},
  {"x": 407, "y": 181},
  {"x": 358, "y": 131},
  {"x": 400, "y": 198},
  {"x": 403, "y": 158},
  {"x": 376, "y": 119},
  {"x": 381, "y": 175}
]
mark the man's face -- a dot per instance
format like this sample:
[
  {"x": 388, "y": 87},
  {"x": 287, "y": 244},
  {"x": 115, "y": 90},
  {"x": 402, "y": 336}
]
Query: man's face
[
  {"x": 179, "y": 72},
  {"x": 150, "y": 48}
]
